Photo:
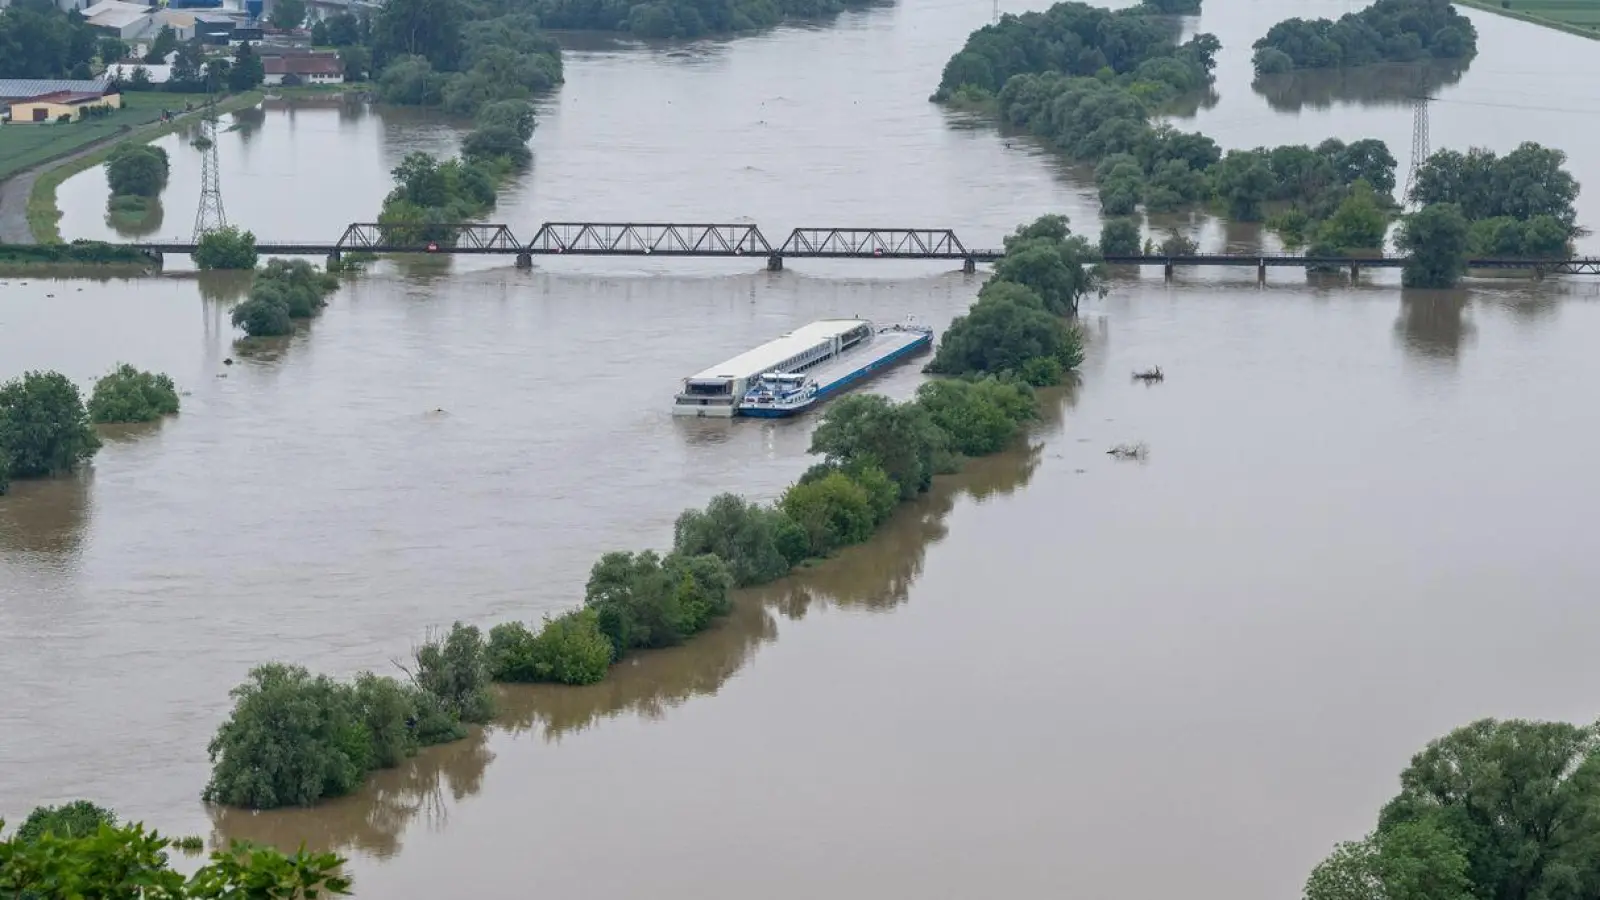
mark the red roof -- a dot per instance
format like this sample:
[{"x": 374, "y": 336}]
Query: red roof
[{"x": 302, "y": 65}]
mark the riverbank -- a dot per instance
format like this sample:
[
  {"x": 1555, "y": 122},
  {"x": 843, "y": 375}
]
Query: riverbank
[
  {"x": 72, "y": 260},
  {"x": 1544, "y": 15},
  {"x": 28, "y": 211}
]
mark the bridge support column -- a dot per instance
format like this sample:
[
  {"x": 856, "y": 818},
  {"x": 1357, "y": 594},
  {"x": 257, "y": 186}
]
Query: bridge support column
[
  {"x": 1355, "y": 271},
  {"x": 1538, "y": 273},
  {"x": 1166, "y": 270},
  {"x": 969, "y": 265},
  {"x": 524, "y": 260},
  {"x": 775, "y": 262},
  {"x": 1261, "y": 271},
  {"x": 333, "y": 260},
  {"x": 157, "y": 261}
]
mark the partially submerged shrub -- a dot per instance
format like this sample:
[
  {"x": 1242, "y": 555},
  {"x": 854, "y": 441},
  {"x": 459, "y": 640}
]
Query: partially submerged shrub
[{"x": 129, "y": 395}]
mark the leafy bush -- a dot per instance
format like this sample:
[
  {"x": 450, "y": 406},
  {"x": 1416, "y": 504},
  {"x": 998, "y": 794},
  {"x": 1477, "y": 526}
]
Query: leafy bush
[
  {"x": 44, "y": 428},
  {"x": 746, "y": 536},
  {"x": 834, "y": 510},
  {"x": 291, "y": 740},
  {"x": 569, "y": 649},
  {"x": 264, "y": 316},
  {"x": 125, "y": 861},
  {"x": 226, "y": 248},
  {"x": 871, "y": 430},
  {"x": 1008, "y": 331},
  {"x": 1435, "y": 240},
  {"x": 644, "y": 601},
  {"x": 77, "y": 819},
  {"x": 454, "y": 670},
  {"x": 129, "y": 395},
  {"x": 978, "y": 417}
]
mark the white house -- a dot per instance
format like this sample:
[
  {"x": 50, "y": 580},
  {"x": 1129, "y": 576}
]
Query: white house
[{"x": 321, "y": 68}]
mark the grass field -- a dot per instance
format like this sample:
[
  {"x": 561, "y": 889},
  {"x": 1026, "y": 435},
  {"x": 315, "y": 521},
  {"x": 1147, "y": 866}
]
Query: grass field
[
  {"x": 1580, "y": 17},
  {"x": 25, "y": 146}
]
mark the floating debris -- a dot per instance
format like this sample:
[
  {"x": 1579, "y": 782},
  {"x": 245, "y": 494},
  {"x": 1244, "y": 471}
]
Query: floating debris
[
  {"x": 1151, "y": 374},
  {"x": 228, "y": 361},
  {"x": 1129, "y": 451}
]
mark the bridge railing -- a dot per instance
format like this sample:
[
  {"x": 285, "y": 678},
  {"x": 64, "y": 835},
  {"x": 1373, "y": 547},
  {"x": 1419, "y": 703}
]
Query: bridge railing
[{"x": 640, "y": 238}]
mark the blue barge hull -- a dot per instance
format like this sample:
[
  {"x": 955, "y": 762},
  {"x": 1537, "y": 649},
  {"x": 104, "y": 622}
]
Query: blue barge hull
[{"x": 824, "y": 391}]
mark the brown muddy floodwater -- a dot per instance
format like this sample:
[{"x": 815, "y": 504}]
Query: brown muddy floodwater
[{"x": 1361, "y": 522}]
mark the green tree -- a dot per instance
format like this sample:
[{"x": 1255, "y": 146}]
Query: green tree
[
  {"x": 1058, "y": 266},
  {"x": 129, "y": 395},
  {"x": 77, "y": 819},
  {"x": 426, "y": 28},
  {"x": 226, "y": 248},
  {"x": 287, "y": 14},
  {"x": 291, "y": 739},
  {"x": 247, "y": 70},
  {"x": 569, "y": 649},
  {"x": 977, "y": 417},
  {"x": 137, "y": 169},
  {"x": 834, "y": 510},
  {"x": 319, "y": 33},
  {"x": 44, "y": 428},
  {"x": 1435, "y": 240},
  {"x": 1358, "y": 224},
  {"x": 1008, "y": 331},
  {"x": 111, "y": 50},
  {"x": 1119, "y": 237},
  {"x": 454, "y": 669},
  {"x": 344, "y": 30},
  {"x": 265, "y": 314},
  {"x": 745, "y": 535},
  {"x": 643, "y": 601},
  {"x": 357, "y": 62},
  {"x": 1244, "y": 182},
  {"x": 871, "y": 430}
]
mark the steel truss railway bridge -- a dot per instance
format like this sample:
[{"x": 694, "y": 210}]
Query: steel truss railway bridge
[{"x": 739, "y": 241}]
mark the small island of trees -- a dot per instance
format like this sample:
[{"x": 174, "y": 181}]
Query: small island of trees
[
  {"x": 136, "y": 173},
  {"x": 128, "y": 395},
  {"x": 1386, "y": 31},
  {"x": 283, "y": 291},
  {"x": 44, "y": 428}
]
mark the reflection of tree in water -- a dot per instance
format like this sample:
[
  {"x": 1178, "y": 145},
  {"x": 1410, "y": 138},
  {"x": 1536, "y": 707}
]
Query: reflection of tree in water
[
  {"x": 1431, "y": 323},
  {"x": 1389, "y": 84},
  {"x": 46, "y": 515},
  {"x": 223, "y": 287},
  {"x": 247, "y": 122},
  {"x": 147, "y": 224},
  {"x": 1189, "y": 105},
  {"x": 373, "y": 819}
]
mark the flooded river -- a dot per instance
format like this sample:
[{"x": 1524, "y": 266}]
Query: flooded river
[{"x": 1361, "y": 522}]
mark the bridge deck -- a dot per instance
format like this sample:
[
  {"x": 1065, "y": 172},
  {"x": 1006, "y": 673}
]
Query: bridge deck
[{"x": 740, "y": 240}]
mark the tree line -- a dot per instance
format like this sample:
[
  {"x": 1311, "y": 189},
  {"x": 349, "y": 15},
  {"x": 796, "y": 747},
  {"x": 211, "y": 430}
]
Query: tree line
[
  {"x": 1386, "y": 31},
  {"x": 37, "y": 40},
  {"x": 294, "y": 738}
]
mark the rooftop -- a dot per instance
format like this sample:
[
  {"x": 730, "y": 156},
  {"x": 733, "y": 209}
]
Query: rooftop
[
  {"x": 118, "y": 18},
  {"x": 20, "y": 88},
  {"x": 768, "y": 355},
  {"x": 113, "y": 5},
  {"x": 65, "y": 98},
  {"x": 302, "y": 65}
]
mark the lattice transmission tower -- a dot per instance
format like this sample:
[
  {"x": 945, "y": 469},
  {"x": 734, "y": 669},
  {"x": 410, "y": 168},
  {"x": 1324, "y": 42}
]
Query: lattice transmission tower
[
  {"x": 1419, "y": 142},
  {"x": 209, "y": 217}
]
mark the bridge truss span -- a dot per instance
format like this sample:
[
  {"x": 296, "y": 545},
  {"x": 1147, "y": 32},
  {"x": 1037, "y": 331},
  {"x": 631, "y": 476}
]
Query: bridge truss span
[
  {"x": 466, "y": 237},
  {"x": 894, "y": 243},
  {"x": 640, "y": 238}
]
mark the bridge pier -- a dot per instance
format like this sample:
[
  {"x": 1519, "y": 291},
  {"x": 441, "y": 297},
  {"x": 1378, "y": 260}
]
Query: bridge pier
[
  {"x": 524, "y": 260},
  {"x": 1261, "y": 271},
  {"x": 333, "y": 260},
  {"x": 1166, "y": 270},
  {"x": 775, "y": 262},
  {"x": 969, "y": 265},
  {"x": 1355, "y": 271}
]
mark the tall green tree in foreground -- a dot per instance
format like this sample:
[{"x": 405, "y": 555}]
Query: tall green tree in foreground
[
  {"x": 44, "y": 427},
  {"x": 1436, "y": 240},
  {"x": 1492, "y": 811}
]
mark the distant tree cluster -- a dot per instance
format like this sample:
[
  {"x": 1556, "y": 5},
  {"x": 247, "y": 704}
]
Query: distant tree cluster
[
  {"x": 1496, "y": 809},
  {"x": 229, "y": 247},
  {"x": 283, "y": 291},
  {"x": 44, "y": 428},
  {"x": 433, "y": 53},
  {"x": 38, "y": 40},
  {"x": 1386, "y": 31},
  {"x": 128, "y": 395},
  {"x": 1478, "y": 204}
]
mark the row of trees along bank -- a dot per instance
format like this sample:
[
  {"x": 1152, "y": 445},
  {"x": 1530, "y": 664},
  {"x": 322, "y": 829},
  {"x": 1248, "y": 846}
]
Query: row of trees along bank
[
  {"x": 294, "y": 738},
  {"x": 46, "y": 429},
  {"x": 80, "y": 850}
]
